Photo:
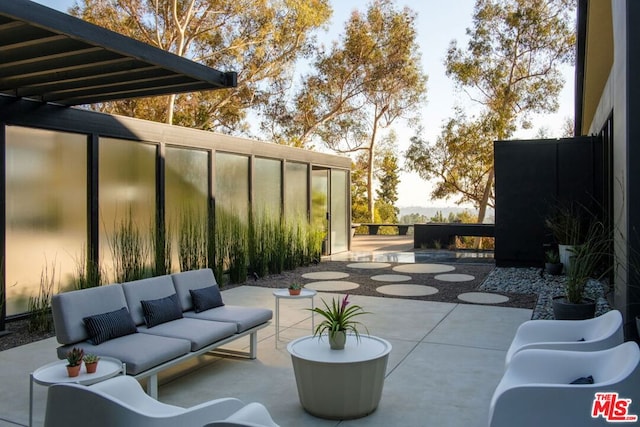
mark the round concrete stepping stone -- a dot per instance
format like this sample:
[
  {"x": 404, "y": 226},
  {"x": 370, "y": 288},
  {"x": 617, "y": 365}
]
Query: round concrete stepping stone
[
  {"x": 483, "y": 298},
  {"x": 331, "y": 285},
  {"x": 407, "y": 290},
  {"x": 369, "y": 265},
  {"x": 454, "y": 277},
  {"x": 326, "y": 275},
  {"x": 391, "y": 278},
  {"x": 423, "y": 268}
]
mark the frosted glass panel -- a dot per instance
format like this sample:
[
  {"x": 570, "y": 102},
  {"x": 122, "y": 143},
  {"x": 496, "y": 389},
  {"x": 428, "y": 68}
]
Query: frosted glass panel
[
  {"x": 232, "y": 184},
  {"x": 339, "y": 218},
  {"x": 187, "y": 190},
  {"x": 319, "y": 201},
  {"x": 46, "y": 211},
  {"x": 267, "y": 186},
  {"x": 127, "y": 187},
  {"x": 296, "y": 193}
]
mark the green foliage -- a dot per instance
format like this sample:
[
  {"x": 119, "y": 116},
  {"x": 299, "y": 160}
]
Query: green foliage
[
  {"x": 192, "y": 239},
  {"x": 413, "y": 218},
  {"x": 90, "y": 358},
  {"x": 359, "y": 200},
  {"x": 88, "y": 273},
  {"x": 161, "y": 247},
  {"x": 40, "y": 319},
  {"x": 339, "y": 317},
  {"x": 74, "y": 356},
  {"x": 129, "y": 251},
  {"x": 511, "y": 68},
  {"x": 258, "y": 39}
]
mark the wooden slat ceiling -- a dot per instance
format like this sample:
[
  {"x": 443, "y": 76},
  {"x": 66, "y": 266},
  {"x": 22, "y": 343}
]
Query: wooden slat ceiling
[{"x": 49, "y": 56}]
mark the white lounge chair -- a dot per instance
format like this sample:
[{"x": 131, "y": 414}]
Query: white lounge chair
[
  {"x": 578, "y": 335},
  {"x": 536, "y": 388},
  {"x": 121, "y": 401}
]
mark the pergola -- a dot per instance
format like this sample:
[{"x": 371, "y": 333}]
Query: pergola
[{"x": 53, "y": 57}]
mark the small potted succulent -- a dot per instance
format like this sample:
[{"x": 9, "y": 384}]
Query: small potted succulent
[
  {"x": 91, "y": 362},
  {"x": 74, "y": 361},
  {"x": 552, "y": 263},
  {"x": 295, "y": 289},
  {"x": 338, "y": 320}
]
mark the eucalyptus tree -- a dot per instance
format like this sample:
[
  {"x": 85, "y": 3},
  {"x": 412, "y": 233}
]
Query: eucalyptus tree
[
  {"x": 511, "y": 68},
  {"x": 259, "y": 39},
  {"x": 363, "y": 83}
]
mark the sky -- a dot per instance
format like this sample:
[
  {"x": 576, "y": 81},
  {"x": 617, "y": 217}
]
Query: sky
[{"x": 438, "y": 23}]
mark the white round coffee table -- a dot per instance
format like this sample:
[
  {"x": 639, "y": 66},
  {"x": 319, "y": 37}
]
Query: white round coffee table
[
  {"x": 284, "y": 293},
  {"x": 340, "y": 384},
  {"x": 56, "y": 373}
]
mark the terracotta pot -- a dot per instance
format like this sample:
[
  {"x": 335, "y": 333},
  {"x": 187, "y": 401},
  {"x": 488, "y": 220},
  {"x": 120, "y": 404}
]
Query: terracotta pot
[
  {"x": 294, "y": 291},
  {"x": 73, "y": 371},
  {"x": 91, "y": 367}
]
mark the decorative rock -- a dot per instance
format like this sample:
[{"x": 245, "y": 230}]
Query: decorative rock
[
  {"x": 407, "y": 290},
  {"x": 331, "y": 285},
  {"x": 424, "y": 268},
  {"x": 391, "y": 278},
  {"x": 325, "y": 275}
]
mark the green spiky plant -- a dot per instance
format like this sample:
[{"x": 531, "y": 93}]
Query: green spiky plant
[
  {"x": 161, "y": 245},
  {"x": 88, "y": 273},
  {"x": 192, "y": 240},
  {"x": 129, "y": 251},
  {"x": 40, "y": 319}
]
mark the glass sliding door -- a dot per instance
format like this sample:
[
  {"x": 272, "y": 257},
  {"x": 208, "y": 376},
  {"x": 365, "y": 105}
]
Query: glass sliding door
[
  {"x": 320, "y": 204},
  {"x": 340, "y": 219},
  {"x": 46, "y": 211}
]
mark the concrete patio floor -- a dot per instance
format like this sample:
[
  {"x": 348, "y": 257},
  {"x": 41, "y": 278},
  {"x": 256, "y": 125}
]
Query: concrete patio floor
[{"x": 446, "y": 361}]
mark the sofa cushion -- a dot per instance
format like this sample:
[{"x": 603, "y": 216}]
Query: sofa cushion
[
  {"x": 200, "y": 333},
  {"x": 69, "y": 308},
  {"x": 193, "y": 279},
  {"x": 242, "y": 317},
  {"x": 146, "y": 289},
  {"x": 113, "y": 324},
  {"x": 161, "y": 310},
  {"x": 140, "y": 352},
  {"x": 206, "y": 298}
]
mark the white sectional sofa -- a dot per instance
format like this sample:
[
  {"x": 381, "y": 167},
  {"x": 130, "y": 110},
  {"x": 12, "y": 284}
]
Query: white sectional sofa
[{"x": 152, "y": 324}]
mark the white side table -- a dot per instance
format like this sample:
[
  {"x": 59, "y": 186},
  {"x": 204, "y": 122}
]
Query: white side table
[
  {"x": 284, "y": 293},
  {"x": 56, "y": 373},
  {"x": 340, "y": 384}
]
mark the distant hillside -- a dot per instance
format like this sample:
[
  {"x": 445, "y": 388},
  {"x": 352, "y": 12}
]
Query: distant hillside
[{"x": 431, "y": 212}]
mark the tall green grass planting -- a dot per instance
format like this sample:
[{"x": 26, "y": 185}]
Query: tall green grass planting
[
  {"x": 129, "y": 251},
  {"x": 40, "y": 319},
  {"x": 192, "y": 240}
]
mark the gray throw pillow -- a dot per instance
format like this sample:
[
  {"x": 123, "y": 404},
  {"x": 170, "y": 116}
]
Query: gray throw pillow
[
  {"x": 206, "y": 298},
  {"x": 106, "y": 326},
  {"x": 161, "y": 310}
]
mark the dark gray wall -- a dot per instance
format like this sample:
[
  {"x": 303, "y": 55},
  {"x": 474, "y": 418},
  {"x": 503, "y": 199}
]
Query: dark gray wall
[{"x": 531, "y": 178}]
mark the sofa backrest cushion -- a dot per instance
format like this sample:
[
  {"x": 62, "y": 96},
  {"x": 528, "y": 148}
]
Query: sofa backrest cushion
[
  {"x": 69, "y": 308},
  {"x": 146, "y": 289},
  {"x": 193, "y": 279}
]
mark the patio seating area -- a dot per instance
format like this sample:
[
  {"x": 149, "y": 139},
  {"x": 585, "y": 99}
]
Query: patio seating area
[{"x": 446, "y": 361}]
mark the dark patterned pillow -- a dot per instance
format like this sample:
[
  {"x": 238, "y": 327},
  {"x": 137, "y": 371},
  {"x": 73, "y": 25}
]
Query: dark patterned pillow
[
  {"x": 106, "y": 326},
  {"x": 161, "y": 310},
  {"x": 206, "y": 298}
]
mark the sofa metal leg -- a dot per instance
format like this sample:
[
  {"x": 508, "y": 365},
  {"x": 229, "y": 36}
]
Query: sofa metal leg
[
  {"x": 253, "y": 345},
  {"x": 152, "y": 386}
]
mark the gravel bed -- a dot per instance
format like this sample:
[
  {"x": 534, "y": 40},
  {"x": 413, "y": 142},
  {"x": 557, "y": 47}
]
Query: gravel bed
[{"x": 546, "y": 286}]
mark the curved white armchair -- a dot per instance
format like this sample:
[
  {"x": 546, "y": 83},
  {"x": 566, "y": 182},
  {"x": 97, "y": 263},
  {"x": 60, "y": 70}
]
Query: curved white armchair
[
  {"x": 536, "y": 388},
  {"x": 578, "y": 335},
  {"x": 121, "y": 401}
]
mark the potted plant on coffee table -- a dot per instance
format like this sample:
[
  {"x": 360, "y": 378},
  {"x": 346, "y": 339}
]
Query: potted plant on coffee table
[
  {"x": 74, "y": 361},
  {"x": 91, "y": 362},
  {"x": 588, "y": 261},
  {"x": 338, "y": 320},
  {"x": 295, "y": 289}
]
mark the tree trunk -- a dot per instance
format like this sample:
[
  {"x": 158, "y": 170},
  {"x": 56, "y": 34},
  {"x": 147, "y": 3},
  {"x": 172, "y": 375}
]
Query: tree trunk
[
  {"x": 482, "y": 211},
  {"x": 170, "y": 104}
]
